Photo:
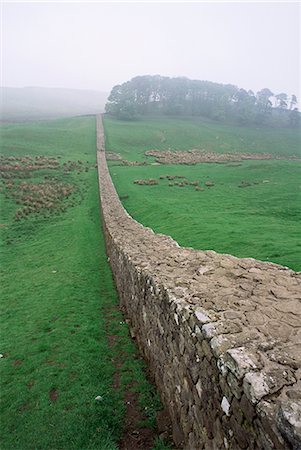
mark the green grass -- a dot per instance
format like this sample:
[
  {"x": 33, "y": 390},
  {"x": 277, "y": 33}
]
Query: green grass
[
  {"x": 133, "y": 138},
  {"x": 261, "y": 220},
  {"x": 59, "y": 306}
]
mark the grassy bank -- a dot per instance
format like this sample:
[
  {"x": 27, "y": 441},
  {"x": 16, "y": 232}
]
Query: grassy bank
[
  {"x": 133, "y": 138},
  {"x": 251, "y": 210},
  {"x": 64, "y": 340}
]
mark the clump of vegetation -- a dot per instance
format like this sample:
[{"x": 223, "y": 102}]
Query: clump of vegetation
[
  {"x": 123, "y": 197},
  {"x": 170, "y": 178},
  {"x": 50, "y": 195},
  {"x": 157, "y": 95},
  {"x": 244, "y": 184},
  {"x": 42, "y": 197},
  {"x": 125, "y": 162},
  {"x": 149, "y": 182}
]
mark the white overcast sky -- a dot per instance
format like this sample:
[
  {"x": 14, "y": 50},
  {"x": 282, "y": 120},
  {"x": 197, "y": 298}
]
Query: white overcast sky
[{"x": 97, "y": 45}]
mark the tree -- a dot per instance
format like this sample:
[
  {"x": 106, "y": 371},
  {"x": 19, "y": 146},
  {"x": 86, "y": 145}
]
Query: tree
[
  {"x": 121, "y": 102},
  {"x": 263, "y": 98},
  {"x": 244, "y": 105},
  {"x": 293, "y": 102},
  {"x": 155, "y": 94},
  {"x": 281, "y": 100},
  {"x": 294, "y": 118}
]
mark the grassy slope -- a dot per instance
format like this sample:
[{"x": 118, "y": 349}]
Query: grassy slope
[
  {"x": 132, "y": 139},
  {"x": 261, "y": 221},
  {"x": 56, "y": 289}
]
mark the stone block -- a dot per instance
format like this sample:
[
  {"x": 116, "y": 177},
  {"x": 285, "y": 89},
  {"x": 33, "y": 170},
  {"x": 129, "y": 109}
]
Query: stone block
[
  {"x": 194, "y": 372},
  {"x": 266, "y": 421},
  {"x": 199, "y": 388},
  {"x": 177, "y": 435},
  {"x": 235, "y": 385},
  {"x": 289, "y": 423},
  {"x": 225, "y": 405},
  {"x": 207, "y": 350},
  {"x": 236, "y": 411},
  {"x": 241, "y": 360},
  {"x": 247, "y": 408},
  {"x": 220, "y": 344},
  {"x": 240, "y": 434},
  {"x": 255, "y": 386},
  {"x": 225, "y": 388},
  {"x": 201, "y": 315}
]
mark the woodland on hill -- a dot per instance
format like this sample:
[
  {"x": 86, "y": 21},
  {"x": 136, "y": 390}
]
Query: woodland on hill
[{"x": 159, "y": 95}]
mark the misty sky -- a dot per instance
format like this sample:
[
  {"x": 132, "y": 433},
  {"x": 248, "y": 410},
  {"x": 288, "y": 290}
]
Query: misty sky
[{"x": 97, "y": 45}]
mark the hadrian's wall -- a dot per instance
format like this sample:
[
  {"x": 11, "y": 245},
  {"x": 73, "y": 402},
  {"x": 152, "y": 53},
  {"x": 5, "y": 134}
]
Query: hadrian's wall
[{"x": 221, "y": 335}]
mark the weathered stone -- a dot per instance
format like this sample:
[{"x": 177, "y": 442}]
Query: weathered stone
[
  {"x": 230, "y": 315},
  {"x": 177, "y": 435},
  {"x": 193, "y": 443},
  {"x": 220, "y": 344},
  {"x": 222, "y": 327},
  {"x": 201, "y": 316},
  {"x": 198, "y": 416},
  {"x": 240, "y": 361},
  {"x": 199, "y": 389},
  {"x": 289, "y": 423},
  {"x": 277, "y": 378},
  {"x": 207, "y": 350},
  {"x": 294, "y": 394},
  {"x": 235, "y": 386},
  {"x": 225, "y": 405},
  {"x": 236, "y": 411},
  {"x": 247, "y": 408},
  {"x": 182, "y": 344},
  {"x": 163, "y": 421},
  {"x": 194, "y": 373},
  {"x": 266, "y": 413},
  {"x": 209, "y": 330},
  {"x": 240, "y": 434},
  {"x": 288, "y": 355},
  {"x": 221, "y": 366},
  {"x": 255, "y": 386},
  {"x": 225, "y": 387}
]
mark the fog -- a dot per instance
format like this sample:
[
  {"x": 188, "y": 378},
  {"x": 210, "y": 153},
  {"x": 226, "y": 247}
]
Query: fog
[{"x": 97, "y": 45}]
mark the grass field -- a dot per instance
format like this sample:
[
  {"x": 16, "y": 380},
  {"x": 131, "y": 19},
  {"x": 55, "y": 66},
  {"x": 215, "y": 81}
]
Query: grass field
[
  {"x": 253, "y": 209},
  {"x": 63, "y": 340},
  {"x": 133, "y": 138}
]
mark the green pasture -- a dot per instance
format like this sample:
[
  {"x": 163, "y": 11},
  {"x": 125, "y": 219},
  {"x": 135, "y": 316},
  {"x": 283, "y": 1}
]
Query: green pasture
[
  {"x": 132, "y": 138},
  {"x": 253, "y": 209},
  {"x": 59, "y": 311}
]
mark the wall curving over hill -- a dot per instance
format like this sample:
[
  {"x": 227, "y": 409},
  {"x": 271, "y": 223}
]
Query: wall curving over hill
[{"x": 221, "y": 335}]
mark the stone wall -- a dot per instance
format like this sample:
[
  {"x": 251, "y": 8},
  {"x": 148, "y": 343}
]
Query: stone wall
[{"x": 221, "y": 335}]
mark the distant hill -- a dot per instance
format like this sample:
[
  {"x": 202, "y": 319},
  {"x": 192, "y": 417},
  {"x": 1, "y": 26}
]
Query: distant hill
[{"x": 34, "y": 103}]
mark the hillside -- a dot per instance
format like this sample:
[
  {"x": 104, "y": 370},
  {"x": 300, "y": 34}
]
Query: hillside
[
  {"x": 67, "y": 360},
  {"x": 32, "y": 103},
  {"x": 246, "y": 203}
]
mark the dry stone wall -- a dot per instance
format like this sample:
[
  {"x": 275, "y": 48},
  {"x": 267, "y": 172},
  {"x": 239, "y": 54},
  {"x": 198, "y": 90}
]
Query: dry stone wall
[{"x": 221, "y": 335}]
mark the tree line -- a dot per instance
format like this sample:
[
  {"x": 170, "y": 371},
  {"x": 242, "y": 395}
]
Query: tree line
[{"x": 180, "y": 96}]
